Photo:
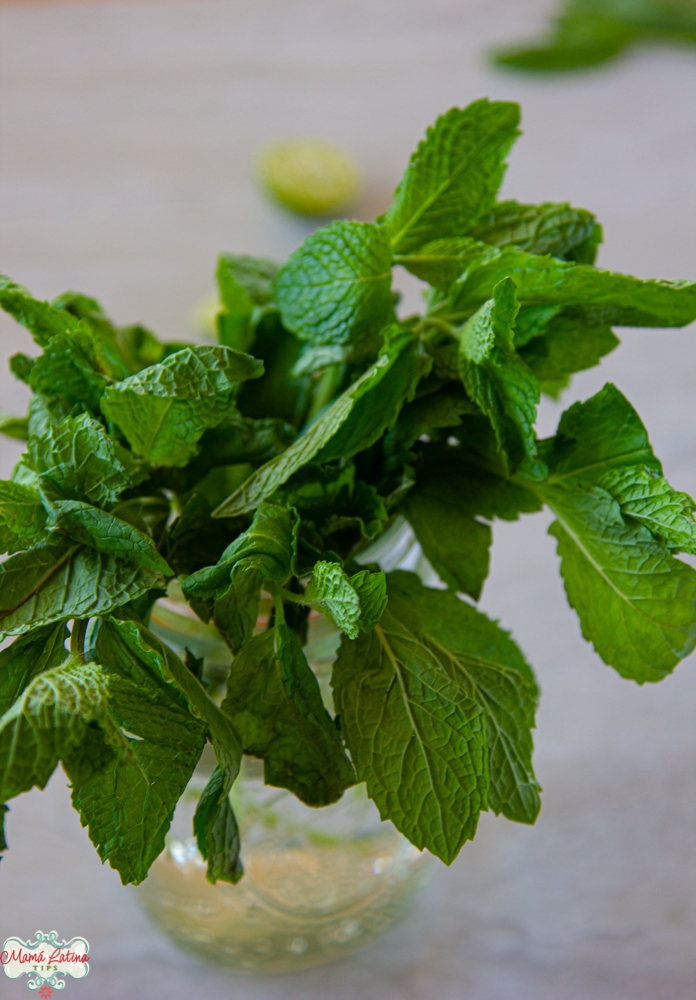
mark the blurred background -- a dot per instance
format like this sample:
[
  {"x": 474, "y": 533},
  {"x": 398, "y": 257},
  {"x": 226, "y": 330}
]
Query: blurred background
[{"x": 128, "y": 137}]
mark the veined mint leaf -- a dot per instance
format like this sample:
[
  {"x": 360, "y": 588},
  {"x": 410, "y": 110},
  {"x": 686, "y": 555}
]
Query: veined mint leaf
[
  {"x": 14, "y": 427},
  {"x": 273, "y": 701},
  {"x": 555, "y": 229},
  {"x": 565, "y": 347},
  {"x": 483, "y": 660},
  {"x": 352, "y": 423},
  {"x": 164, "y": 410},
  {"x": 76, "y": 460},
  {"x": 27, "y": 657},
  {"x": 596, "y": 296},
  {"x": 617, "y": 521},
  {"x": 633, "y": 598},
  {"x": 495, "y": 378},
  {"x": 645, "y": 497},
  {"x": 41, "y": 319},
  {"x": 454, "y": 174},
  {"x": 22, "y": 517},
  {"x": 47, "y": 721},
  {"x": 91, "y": 526},
  {"x": 355, "y": 604},
  {"x": 415, "y": 737},
  {"x": 68, "y": 369},
  {"x": 603, "y": 433},
  {"x": 125, "y": 787},
  {"x": 441, "y": 262},
  {"x": 335, "y": 290},
  {"x": 57, "y": 581}
]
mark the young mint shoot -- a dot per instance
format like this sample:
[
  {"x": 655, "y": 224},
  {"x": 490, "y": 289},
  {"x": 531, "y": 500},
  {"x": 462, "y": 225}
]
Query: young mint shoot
[{"x": 257, "y": 472}]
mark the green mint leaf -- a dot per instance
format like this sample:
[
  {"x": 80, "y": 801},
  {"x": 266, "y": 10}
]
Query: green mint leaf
[
  {"x": 455, "y": 494},
  {"x": 645, "y": 497},
  {"x": 253, "y": 274},
  {"x": 596, "y": 296},
  {"x": 14, "y": 427},
  {"x": 244, "y": 282},
  {"x": 585, "y": 35},
  {"x": 352, "y": 423},
  {"x": 414, "y": 736},
  {"x": 76, "y": 460},
  {"x": 555, "y": 229},
  {"x": 41, "y": 319},
  {"x": 91, "y": 526},
  {"x": 217, "y": 833},
  {"x": 164, "y": 410},
  {"x": 495, "y": 378},
  {"x": 27, "y": 657},
  {"x": 273, "y": 701},
  {"x": 22, "y": 517},
  {"x": 230, "y": 589},
  {"x": 335, "y": 290},
  {"x": 602, "y": 433},
  {"x": 454, "y": 174},
  {"x": 269, "y": 543},
  {"x": 68, "y": 370},
  {"x": 106, "y": 339},
  {"x": 454, "y": 542},
  {"x": 46, "y": 722},
  {"x": 278, "y": 393},
  {"x": 235, "y": 612},
  {"x": 57, "y": 581},
  {"x": 441, "y": 262},
  {"x": 617, "y": 521},
  {"x": 484, "y": 661},
  {"x": 633, "y": 599},
  {"x": 566, "y": 346},
  {"x": 128, "y": 776},
  {"x": 355, "y": 604},
  {"x": 214, "y": 824}
]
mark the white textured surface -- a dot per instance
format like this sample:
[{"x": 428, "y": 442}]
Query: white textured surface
[{"x": 126, "y": 138}]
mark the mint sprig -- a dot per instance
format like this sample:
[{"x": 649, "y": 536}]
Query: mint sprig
[{"x": 259, "y": 472}]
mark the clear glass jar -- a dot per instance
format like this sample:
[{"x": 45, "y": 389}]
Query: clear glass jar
[{"x": 318, "y": 883}]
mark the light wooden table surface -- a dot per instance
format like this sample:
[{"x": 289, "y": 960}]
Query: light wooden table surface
[{"x": 127, "y": 133}]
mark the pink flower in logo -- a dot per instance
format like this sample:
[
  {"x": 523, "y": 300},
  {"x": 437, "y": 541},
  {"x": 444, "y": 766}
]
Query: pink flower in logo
[{"x": 45, "y": 992}]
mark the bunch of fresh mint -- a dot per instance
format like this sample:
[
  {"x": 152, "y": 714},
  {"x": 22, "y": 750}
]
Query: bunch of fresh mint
[
  {"x": 587, "y": 32},
  {"x": 269, "y": 463}
]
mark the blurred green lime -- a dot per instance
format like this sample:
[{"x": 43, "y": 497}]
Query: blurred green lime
[{"x": 310, "y": 176}]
